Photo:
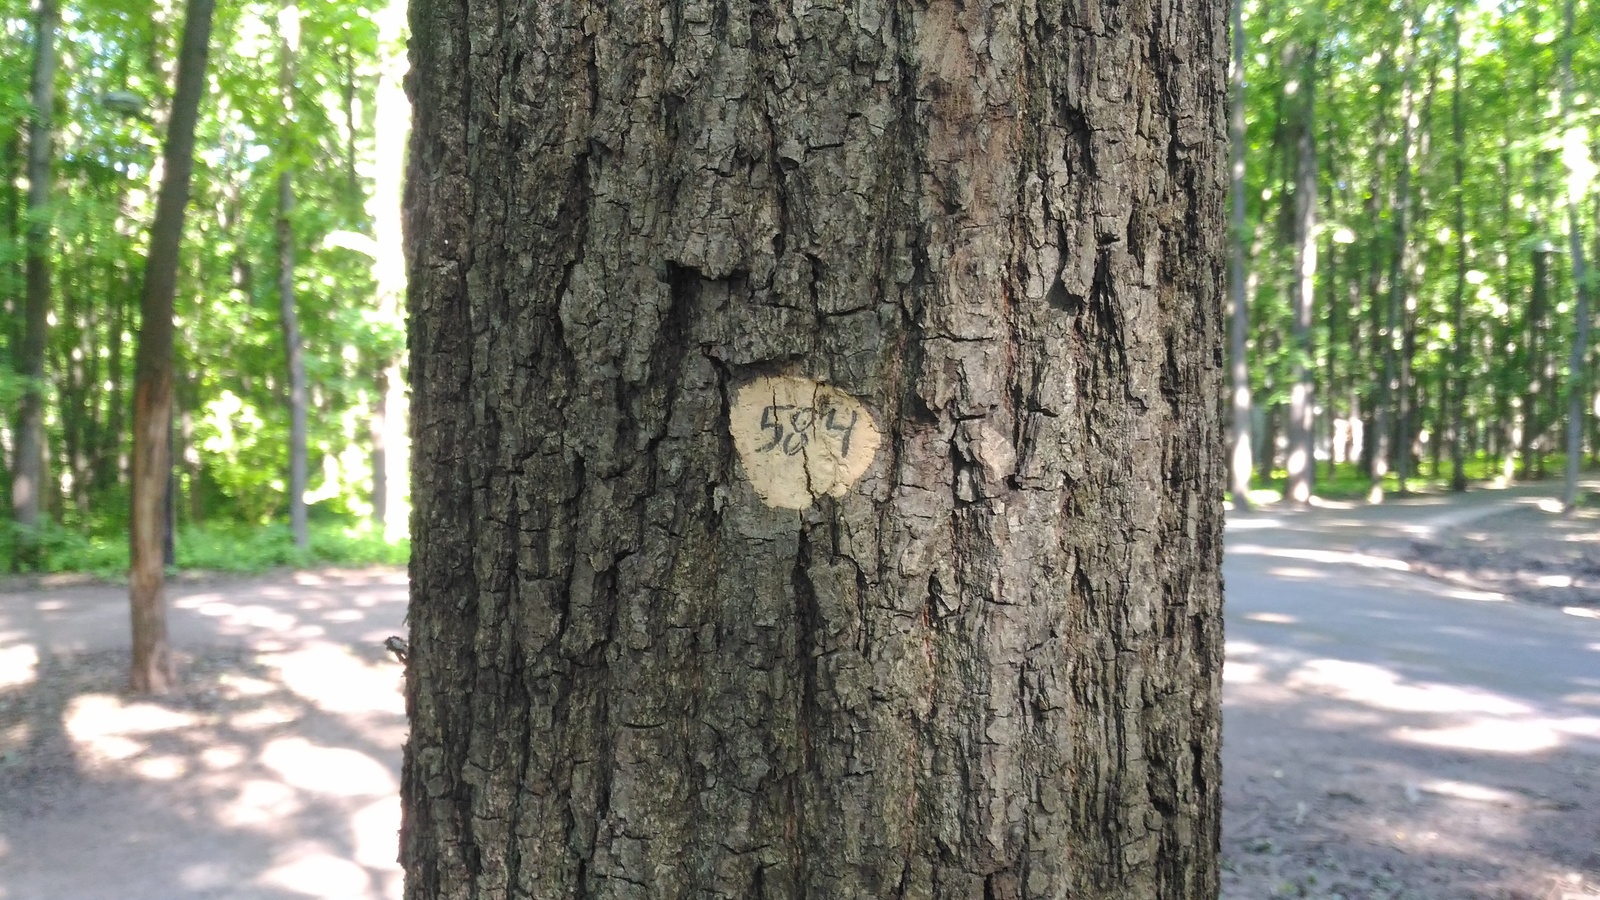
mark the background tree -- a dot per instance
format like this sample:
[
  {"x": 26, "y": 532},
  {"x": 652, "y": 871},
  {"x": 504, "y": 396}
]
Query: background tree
[
  {"x": 1480, "y": 364},
  {"x": 1580, "y": 172},
  {"x": 1240, "y": 458},
  {"x": 391, "y": 128},
  {"x": 818, "y": 449},
  {"x": 232, "y": 422},
  {"x": 28, "y": 469},
  {"x": 152, "y": 405},
  {"x": 1501, "y": 357},
  {"x": 1458, "y": 339},
  {"x": 294, "y": 355}
]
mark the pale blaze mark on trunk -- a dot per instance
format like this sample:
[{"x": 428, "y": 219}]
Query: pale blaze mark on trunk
[{"x": 798, "y": 439}]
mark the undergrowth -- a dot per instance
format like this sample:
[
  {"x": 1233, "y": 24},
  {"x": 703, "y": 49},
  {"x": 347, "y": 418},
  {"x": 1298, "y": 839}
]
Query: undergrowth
[
  {"x": 214, "y": 546},
  {"x": 1346, "y": 481}
]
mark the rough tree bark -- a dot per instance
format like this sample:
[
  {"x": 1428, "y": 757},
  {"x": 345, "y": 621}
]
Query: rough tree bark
[
  {"x": 819, "y": 449},
  {"x": 152, "y": 670},
  {"x": 27, "y": 466}
]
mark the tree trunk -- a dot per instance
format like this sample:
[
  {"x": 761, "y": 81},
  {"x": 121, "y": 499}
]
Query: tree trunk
[
  {"x": 1330, "y": 370},
  {"x": 1511, "y": 410},
  {"x": 1240, "y": 459},
  {"x": 1375, "y": 429},
  {"x": 1409, "y": 411},
  {"x": 1533, "y": 419},
  {"x": 819, "y": 464},
  {"x": 1271, "y": 428},
  {"x": 1575, "y": 155},
  {"x": 152, "y": 670},
  {"x": 1457, "y": 385},
  {"x": 109, "y": 465},
  {"x": 27, "y": 467},
  {"x": 294, "y": 354},
  {"x": 1302, "y": 458},
  {"x": 1393, "y": 384},
  {"x": 390, "y": 453}
]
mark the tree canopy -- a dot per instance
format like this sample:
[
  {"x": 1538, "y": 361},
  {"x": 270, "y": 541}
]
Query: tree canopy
[
  {"x": 1442, "y": 156},
  {"x": 114, "y": 84}
]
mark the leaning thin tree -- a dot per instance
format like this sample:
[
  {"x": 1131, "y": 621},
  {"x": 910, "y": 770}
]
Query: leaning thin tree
[
  {"x": 819, "y": 457},
  {"x": 152, "y": 670}
]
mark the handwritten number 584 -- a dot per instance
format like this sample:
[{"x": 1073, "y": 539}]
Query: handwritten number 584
[{"x": 802, "y": 422}]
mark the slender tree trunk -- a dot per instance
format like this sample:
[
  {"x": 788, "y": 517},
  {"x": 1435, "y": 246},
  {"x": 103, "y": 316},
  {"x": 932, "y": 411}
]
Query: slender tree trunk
[
  {"x": 1575, "y": 154},
  {"x": 1302, "y": 405},
  {"x": 28, "y": 471},
  {"x": 70, "y": 380},
  {"x": 1458, "y": 336},
  {"x": 109, "y": 467},
  {"x": 1330, "y": 371},
  {"x": 1411, "y": 406},
  {"x": 12, "y": 270},
  {"x": 95, "y": 399},
  {"x": 152, "y": 403},
  {"x": 1541, "y": 355},
  {"x": 818, "y": 467},
  {"x": 1374, "y": 432},
  {"x": 294, "y": 353},
  {"x": 1533, "y": 418},
  {"x": 1241, "y": 461},
  {"x": 352, "y": 190},
  {"x": 1440, "y": 403},
  {"x": 1271, "y": 428},
  {"x": 390, "y": 453},
  {"x": 1397, "y": 281},
  {"x": 1512, "y": 420}
]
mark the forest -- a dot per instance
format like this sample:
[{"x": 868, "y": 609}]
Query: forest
[
  {"x": 1413, "y": 204},
  {"x": 287, "y": 424}
]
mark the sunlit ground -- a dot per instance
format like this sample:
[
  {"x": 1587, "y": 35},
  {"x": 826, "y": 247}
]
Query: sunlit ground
[
  {"x": 1389, "y": 735},
  {"x": 1367, "y": 737},
  {"x": 273, "y": 772}
]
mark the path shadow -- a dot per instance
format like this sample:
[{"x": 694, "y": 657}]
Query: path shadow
[{"x": 271, "y": 773}]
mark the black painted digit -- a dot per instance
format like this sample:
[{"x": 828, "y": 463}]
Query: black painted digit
[
  {"x": 832, "y": 424},
  {"x": 801, "y": 419},
  {"x": 769, "y": 420},
  {"x": 795, "y": 442}
]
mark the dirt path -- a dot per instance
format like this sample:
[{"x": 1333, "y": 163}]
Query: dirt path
[
  {"x": 1390, "y": 735},
  {"x": 273, "y": 774}
]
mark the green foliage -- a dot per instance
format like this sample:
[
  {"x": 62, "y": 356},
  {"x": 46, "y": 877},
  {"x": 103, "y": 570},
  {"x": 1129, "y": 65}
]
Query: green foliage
[
  {"x": 1344, "y": 60},
  {"x": 114, "y": 83},
  {"x": 245, "y": 459},
  {"x": 54, "y": 548},
  {"x": 1512, "y": 375},
  {"x": 238, "y": 548},
  {"x": 219, "y": 547},
  {"x": 1347, "y": 481}
]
